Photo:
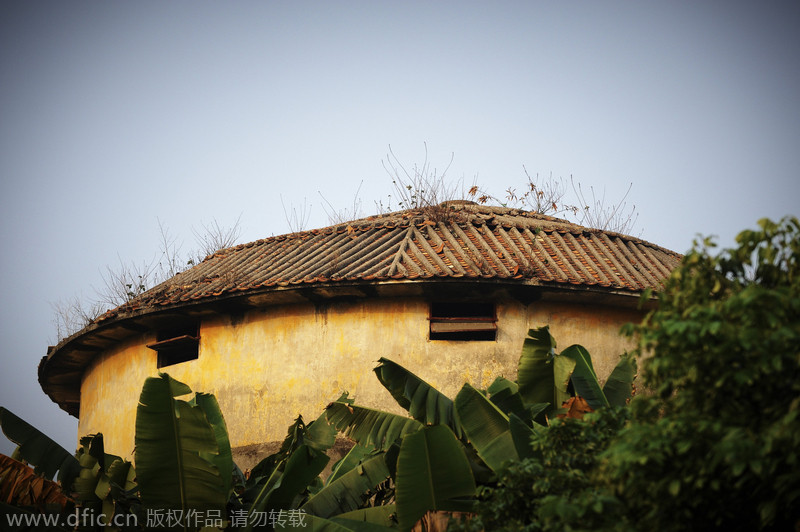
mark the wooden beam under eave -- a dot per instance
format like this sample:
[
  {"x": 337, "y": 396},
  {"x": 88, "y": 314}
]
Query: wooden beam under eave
[
  {"x": 84, "y": 347},
  {"x": 63, "y": 394},
  {"x": 66, "y": 378},
  {"x": 133, "y": 326}
]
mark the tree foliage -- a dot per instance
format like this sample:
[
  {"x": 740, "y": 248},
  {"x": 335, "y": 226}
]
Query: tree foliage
[{"x": 714, "y": 446}]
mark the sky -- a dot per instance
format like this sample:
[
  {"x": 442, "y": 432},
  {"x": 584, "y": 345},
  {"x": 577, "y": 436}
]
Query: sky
[{"x": 118, "y": 117}]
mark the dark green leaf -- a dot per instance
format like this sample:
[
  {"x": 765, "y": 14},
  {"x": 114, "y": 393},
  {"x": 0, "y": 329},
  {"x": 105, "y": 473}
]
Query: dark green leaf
[
  {"x": 486, "y": 427},
  {"x": 356, "y": 454},
  {"x": 320, "y": 434},
  {"x": 584, "y": 378},
  {"x": 376, "y": 515},
  {"x": 432, "y": 474},
  {"x": 301, "y": 469},
  {"x": 535, "y": 373},
  {"x": 223, "y": 459},
  {"x": 508, "y": 400},
  {"x": 501, "y": 383},
  {"x": 619, "y": 385},
  {"x": 423, "y": 402},
  {"x": 349, "y": 491},
  {"x": 170, "y": 436},
  {"x": 521, "y": 435},
  {"x": 44, "y": 454},
  {"x": 370, "y": 428}
]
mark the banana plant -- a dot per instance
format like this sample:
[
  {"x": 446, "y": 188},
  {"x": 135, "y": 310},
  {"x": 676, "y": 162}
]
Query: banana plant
[
  {"x": 90, "y": 479},
  {"x": 423, "y": 402},
  {"x": 289, "y": 479},
  {"x": 348, "y": 490},
  {"x": 106, "y": 483},
  {"x": 433, "y": 474},
  {"x": 425, "y": 454},
  {"x": 181, "y": 460},
  {"x": 547, "y": 377},
  {"x": 401, "y": 467},
  {"x": 500, "y": 422},
  {"x": 497, "y": 423},
  {"x": 37, "y": 449},
  {"x": 369, "y": 427},
  {"x": 542, "y": 375},
  {"x": 487, "y": 427}
]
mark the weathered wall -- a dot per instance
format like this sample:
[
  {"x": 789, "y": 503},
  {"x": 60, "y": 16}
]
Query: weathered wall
[
  {"x": 270, "y": 365},
  {"x": 110, "y": 392}
]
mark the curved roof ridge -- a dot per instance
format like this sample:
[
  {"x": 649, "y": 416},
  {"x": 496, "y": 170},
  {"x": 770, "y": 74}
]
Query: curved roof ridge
[{"x": 459, "y": 210}]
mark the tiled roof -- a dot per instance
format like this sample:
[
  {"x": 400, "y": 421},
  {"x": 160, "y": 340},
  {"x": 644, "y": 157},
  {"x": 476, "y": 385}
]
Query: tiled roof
[{"x": 458, "y": 240}]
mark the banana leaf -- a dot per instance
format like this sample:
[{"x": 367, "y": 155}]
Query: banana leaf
[
  {"x": 172, "y": 437},
  {"x": 90, "y": 457},
  {"x": 354, "y": 456},
  {"x": 92, "y": 487},
  {"x": 486, "y": 426},
  {"x": 320, "y": 434},
  {"x": 535, "y": 371},
  {"x": 502, "y": 383},
  {"x": 301, "y": 469},
  {"x": 521, "y": 435},
  {"x": 535, "y": 410},
  {"x": 619, "y": 386},
  {"x": 223, "y": 458},
  {"x": 584, "y": 378},
  {"x": 368, "y": 427},
  {"x": 424, "y": 402},
  {"x": 350, "y": 490},
  {"x": 268, "y": 465},
  {"x": 432, "y": 474},
  {"x": 47, "y": 457},
  {"x": 317, "y": 435},
  {"x": 255, "y": 496},
  {"x": 391, "y": 459},
  {"x": 509, "y": 402},
  {"x": 120, "y": 477},
  {"x": 377, "y": 516},
  {"x": 543, "y": 376}
]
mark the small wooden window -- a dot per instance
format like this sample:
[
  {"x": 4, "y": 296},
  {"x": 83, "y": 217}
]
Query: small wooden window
[
  {"x": 463, "y": 321},
  {"x": 177, "y": 344}
]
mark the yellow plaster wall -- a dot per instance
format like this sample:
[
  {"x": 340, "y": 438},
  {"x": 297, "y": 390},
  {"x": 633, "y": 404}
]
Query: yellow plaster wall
[
  {"x": 110, "y": 392},
  {"x": 270, "y": 365}
]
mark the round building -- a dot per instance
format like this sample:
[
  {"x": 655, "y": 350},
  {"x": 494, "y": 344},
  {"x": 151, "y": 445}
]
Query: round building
[{"x": 282, "y": 326}]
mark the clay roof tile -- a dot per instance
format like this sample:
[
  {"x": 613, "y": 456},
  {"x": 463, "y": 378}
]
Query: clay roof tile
[{"x": 454, "y": 240}]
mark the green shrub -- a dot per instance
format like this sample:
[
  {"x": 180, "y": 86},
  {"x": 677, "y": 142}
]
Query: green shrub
[
  {"x": 714, "y": 447},
  {"x": 556, "y": 489}
]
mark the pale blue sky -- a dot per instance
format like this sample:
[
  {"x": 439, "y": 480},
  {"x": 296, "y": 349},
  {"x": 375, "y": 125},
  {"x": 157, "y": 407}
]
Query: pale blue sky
[{"x": 114, "y": 115}]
